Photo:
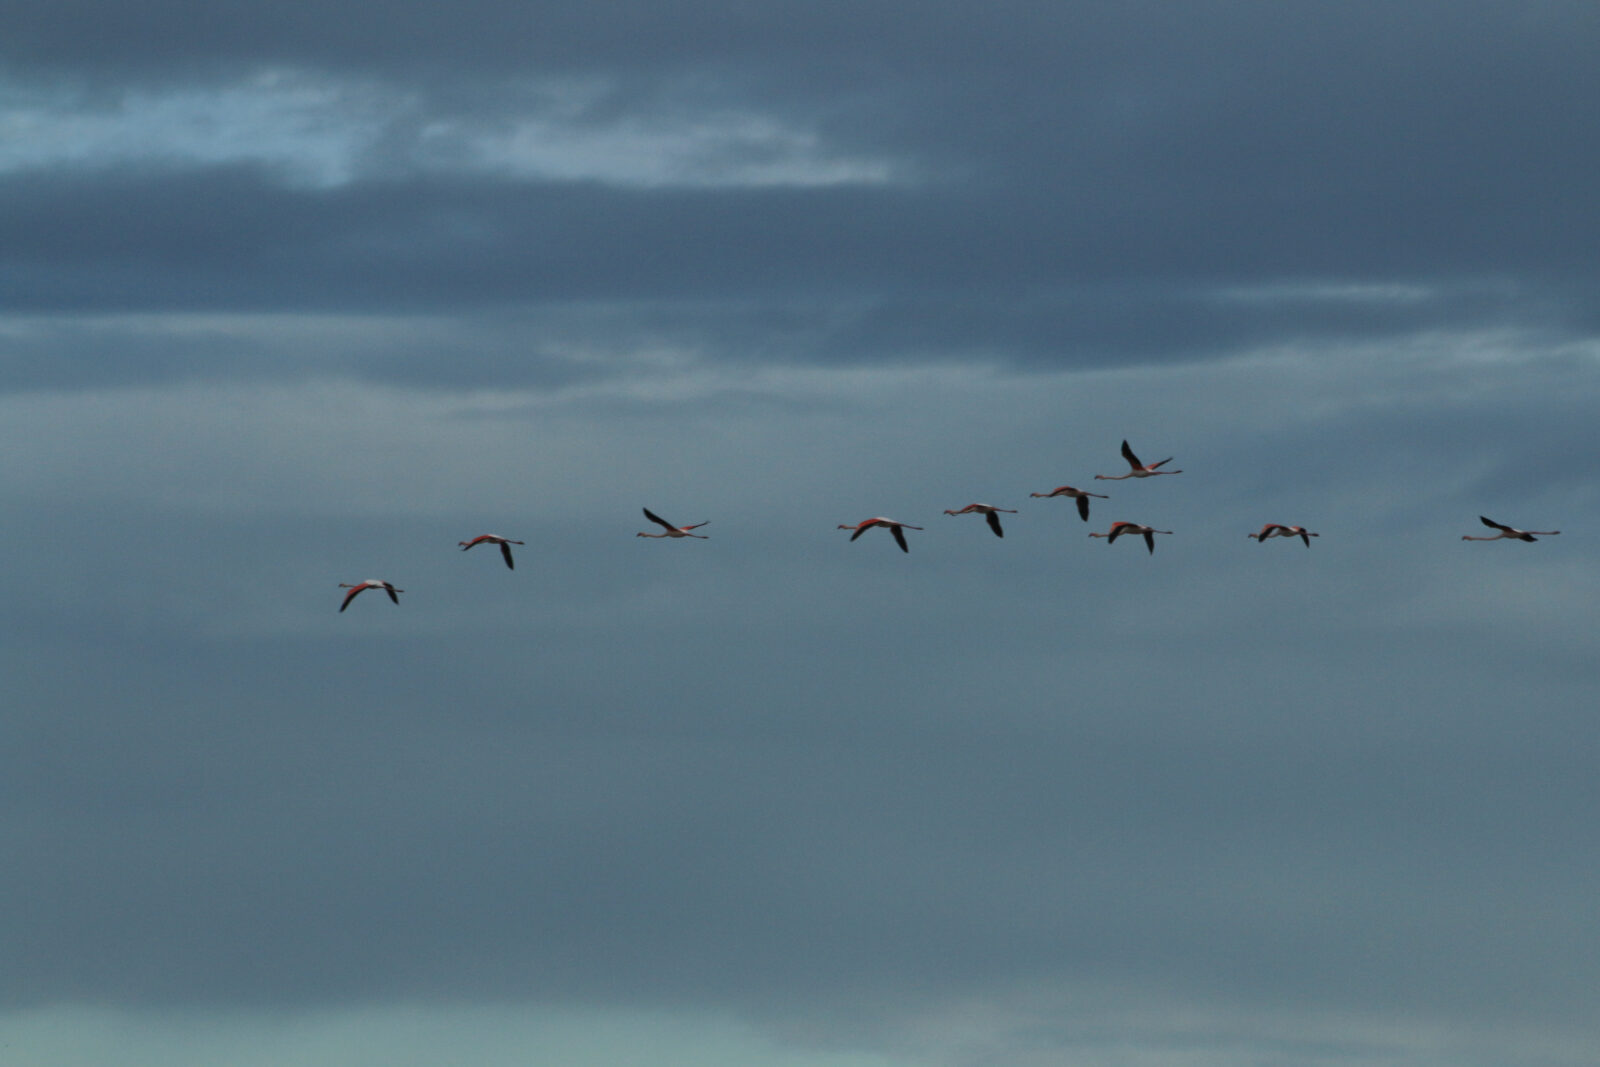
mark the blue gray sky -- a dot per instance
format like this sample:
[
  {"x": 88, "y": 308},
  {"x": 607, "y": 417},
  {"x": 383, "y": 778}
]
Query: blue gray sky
[{"x": 298, "y": 295}]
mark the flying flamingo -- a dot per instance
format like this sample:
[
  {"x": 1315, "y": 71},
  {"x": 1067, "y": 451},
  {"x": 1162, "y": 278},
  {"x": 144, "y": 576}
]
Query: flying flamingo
[
  {"x": 1120, "y": 528},
  {"x": 988, "y": 511},
  {"x": 1081, "y": 496},
  {"x": 1509, "y": 533},
  {"x": 370, "y": 583},
  {"x": 671, "y": 530},
  {"x": 1140, "y": 470},
  {"x": 1278, "y": 529},
  {"x": 893, "y": 527},
  {"x": 505, "y": 544}
]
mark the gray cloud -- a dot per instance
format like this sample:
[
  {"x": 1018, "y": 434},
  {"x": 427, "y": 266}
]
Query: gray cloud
[
  {"x": 837, "y": 276},
  {"x": 1078, "y": 185}
]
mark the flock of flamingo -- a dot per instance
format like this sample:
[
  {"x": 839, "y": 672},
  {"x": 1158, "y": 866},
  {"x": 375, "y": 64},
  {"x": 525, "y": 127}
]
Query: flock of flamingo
[{"x": 991, "y": 514}]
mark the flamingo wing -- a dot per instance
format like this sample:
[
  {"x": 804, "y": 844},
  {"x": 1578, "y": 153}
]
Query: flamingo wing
[
  {"x": 1083, "y": 508},
  {"x": 658, "y": 520},
  {"x": 505, "y": 553},
  {"x": 994, "y": 523},
  {"x": 899, "y": 538},
  {"x": 1133, "y": 460},
  {"x": 351, "y": 595}
]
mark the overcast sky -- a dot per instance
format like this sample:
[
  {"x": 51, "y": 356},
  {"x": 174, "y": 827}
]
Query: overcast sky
[{"x": 294, "y": 295}]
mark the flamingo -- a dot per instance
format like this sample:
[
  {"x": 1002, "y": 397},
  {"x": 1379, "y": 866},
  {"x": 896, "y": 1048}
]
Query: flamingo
[
  {"x": 1140, "y": 470},
  {"x": 1120, "y": 528},
  {"x": 370, "y": 583},
  {"x": 505, "y": 544},
  {"x": 1509, "y": 533},
  {"x": 989, "y": 512},
  {"x": 671, "y": 530},
  {"x": 893, "y": 527},
  {"x": 1278, "y": 529},
  {"x": 1081, "y": 496}
]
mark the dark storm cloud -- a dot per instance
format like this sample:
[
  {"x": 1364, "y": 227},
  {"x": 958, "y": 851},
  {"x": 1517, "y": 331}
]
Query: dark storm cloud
[
  {"x": 1079, "y": 180},
  {"x": 837, "y": 274},
  {"x": 234, "y": 238},
  {"x": 631, "y": 35},
  {"x": 1460, "y": 101}
]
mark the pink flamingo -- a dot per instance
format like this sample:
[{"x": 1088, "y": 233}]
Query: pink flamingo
[
  {"x": 1120, "y": 528},
  {"x": 370, "y": 583},
  {"x": 1081, "y": 496},
  {"x": 505, "y": 544},
  {"x": 1140, "y": 470},
  {"x": 671, "y": 530},
  {"x": 893, "y": 527},
  {"x": 988, "y": 511},
  {"x": 1278, "y": 529},
  {"x": 1509, "y": 533}
]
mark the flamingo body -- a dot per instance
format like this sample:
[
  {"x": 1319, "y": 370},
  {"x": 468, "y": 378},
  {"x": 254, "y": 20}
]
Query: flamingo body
[
  {"x": 1120, "y": 528},
  {"x": 1278, "y": 529},
  {"x": 505, "y": 544},
  {"x": 1508, "y": 533},
  {"x": 1080, "y": 495},
  {"x": 370, "y": 583},
  {"x": 988, "y": 511},
  {"x": 669, "y": 530},
  {"x": 1137, "y": 469},
  {"x": 891, "y": 525}
]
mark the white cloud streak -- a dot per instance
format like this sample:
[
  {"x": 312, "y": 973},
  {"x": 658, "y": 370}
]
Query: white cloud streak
[{"x": 325, "y": 133}]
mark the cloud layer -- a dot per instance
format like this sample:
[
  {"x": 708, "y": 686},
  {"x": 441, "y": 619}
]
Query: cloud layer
[{"x": 297, "y": 298}]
